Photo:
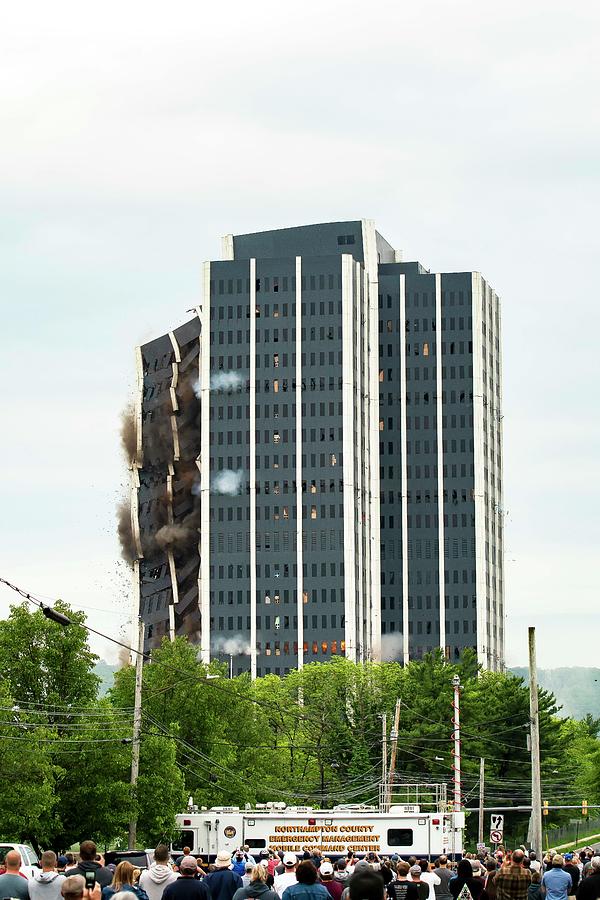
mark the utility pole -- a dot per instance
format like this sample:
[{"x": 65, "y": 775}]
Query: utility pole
[
  {"x": 137, "y": 729},
  {"x": 456, "y": 749},
  {"x": 394, "y": 741},
  {"x": 536, "y": 784},
  {"x": 481, "y": 798},
  {"x": 384, "y": 751}
]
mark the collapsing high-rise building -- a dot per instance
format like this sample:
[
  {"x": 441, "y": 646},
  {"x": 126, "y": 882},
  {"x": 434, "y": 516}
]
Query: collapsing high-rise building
[{"x": 318, "y": 463}]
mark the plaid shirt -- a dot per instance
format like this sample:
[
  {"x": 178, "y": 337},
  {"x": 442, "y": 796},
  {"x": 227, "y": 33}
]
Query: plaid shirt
[{"x": 511, "y": 883}]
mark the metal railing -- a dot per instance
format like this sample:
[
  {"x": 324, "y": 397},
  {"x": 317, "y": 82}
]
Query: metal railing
[{"x": 432, "y": 797}]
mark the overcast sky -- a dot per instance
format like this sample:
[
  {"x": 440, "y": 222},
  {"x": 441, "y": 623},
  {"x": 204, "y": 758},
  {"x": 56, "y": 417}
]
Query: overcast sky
[{"x": 135, "y": 134}]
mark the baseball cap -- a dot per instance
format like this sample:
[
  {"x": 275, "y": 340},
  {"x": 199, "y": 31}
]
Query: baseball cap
[
  {"x": 415, "y": 870},
  {"x": 188, "y": 864},
  {"x": 290, "y": 859},
  {"x": 62, "y": 861},
  {"x": 326, "y": 868},
  {"x": 568, "y": 856}
]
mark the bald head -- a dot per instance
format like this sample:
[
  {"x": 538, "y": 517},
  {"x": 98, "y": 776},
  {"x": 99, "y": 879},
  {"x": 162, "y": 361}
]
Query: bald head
[
  {"x": 12, "y": 861},
  {"x": 518, "y": 857},
  {"x": 72, "y": 887}
]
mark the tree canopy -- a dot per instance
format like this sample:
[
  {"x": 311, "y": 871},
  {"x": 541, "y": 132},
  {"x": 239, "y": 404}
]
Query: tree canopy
[{"x": 314, "y": 736}]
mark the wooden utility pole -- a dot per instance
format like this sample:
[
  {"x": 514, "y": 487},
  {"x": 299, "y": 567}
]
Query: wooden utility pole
[
  {"x": 384, "y": 751},
  {"x": 481, "y": 798},
  {"x": 137, "y": 730},
  {"x": 536, "y": 782},
  {"x": 394, "y": 743}
]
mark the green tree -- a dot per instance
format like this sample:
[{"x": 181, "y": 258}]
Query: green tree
[
  {"x": 45, "y": 663},
  {"x": 27, "y": 798}
]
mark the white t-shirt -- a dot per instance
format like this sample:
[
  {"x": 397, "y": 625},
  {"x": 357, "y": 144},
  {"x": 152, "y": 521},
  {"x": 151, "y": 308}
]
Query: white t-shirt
[
  {"x": 283, "y": 881},
  {"x": 431, "y": 879}
]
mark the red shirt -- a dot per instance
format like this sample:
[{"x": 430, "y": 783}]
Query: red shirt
[{"x": 335, "y": 888}]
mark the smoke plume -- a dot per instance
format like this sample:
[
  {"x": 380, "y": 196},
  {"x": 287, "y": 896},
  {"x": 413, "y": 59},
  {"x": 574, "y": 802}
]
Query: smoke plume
[
  {"x": 128, "y": 433},
  {"x": 123, "y": 658},
  {"x": 228, "y": 482},
  {"x": 128, "y": 551},
  {"x": 174, "y": 537},
  {"x": 392, "y": 647},
  {"x": 222, "y": 381},
  {"x": 232, "y": 646}
]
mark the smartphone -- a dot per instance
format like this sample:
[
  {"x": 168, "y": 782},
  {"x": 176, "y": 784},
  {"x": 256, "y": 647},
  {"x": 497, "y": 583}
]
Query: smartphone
[{"x": 90, "y": 880}]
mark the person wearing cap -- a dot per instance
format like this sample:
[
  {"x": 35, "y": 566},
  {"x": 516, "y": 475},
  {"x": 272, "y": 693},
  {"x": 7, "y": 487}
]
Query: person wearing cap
[
  {"x": 415, "y": 873},
  {"x": 556, "y": 883},
  {"x": 187, "y": 886},
  {"x": 573, "y": 869},
  {"x": 307, "y": 886},
  {"x": 334, "y": 887},
  {"x": 288, "y": 876},
  {"x": 223, "y": 882}
]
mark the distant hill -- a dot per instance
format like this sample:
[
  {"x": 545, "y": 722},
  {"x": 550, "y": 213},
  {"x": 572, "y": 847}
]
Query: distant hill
[
  {"x": 576, "y": 689},
  {"x": 107, "y": 675}
]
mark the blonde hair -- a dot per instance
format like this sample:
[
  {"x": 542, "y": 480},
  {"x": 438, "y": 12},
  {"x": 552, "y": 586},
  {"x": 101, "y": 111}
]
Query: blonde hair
[
  {"x": 259, "y": 873},
  {"x": 124, "y": 874}
]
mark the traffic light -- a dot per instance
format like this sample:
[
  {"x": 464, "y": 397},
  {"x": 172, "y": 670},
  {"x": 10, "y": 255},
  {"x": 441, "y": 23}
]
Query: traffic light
[
  {"x": 584, "y": 809},
  {"x": 545, "y": 809}
]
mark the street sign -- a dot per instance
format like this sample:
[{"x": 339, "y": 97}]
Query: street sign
[{"x": 496, "y": 828}]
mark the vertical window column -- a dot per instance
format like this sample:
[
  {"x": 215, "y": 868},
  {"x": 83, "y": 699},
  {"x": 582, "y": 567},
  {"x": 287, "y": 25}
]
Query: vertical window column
[
  {"x": 404, "y": 472},
  {"x": 252, "y": 468},
  {"x": 440, "y": 459},
  {"x": 348, "y": 451},
  {"x": 299, "y": 553}
]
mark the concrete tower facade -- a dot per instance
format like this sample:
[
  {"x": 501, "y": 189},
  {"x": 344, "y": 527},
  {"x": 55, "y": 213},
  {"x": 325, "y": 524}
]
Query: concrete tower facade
[{"x": 327, "y": 421}]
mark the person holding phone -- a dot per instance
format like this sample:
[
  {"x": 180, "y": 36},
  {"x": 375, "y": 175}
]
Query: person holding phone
[{"x": 89, "y": 863}]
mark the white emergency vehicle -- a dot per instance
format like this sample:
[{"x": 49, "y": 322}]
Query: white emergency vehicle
[{"x": 405, "y": 830}]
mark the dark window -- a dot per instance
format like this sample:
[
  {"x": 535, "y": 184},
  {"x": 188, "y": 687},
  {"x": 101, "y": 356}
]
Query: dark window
[
  {"x": 400, "y": 837},
  {"x": 184, "y": 839},
  {"x": 256, "y": 843},
  {"x": 349, "y": 238},
  {"x": 341, "y": 239}
]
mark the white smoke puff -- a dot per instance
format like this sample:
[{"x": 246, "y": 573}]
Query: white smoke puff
[
  {"x": 228, "y": 482},
  {"x": 226, "y": 381},
  {"x": 232, "y": 646},
  {"x": 392, "y": 647}
]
